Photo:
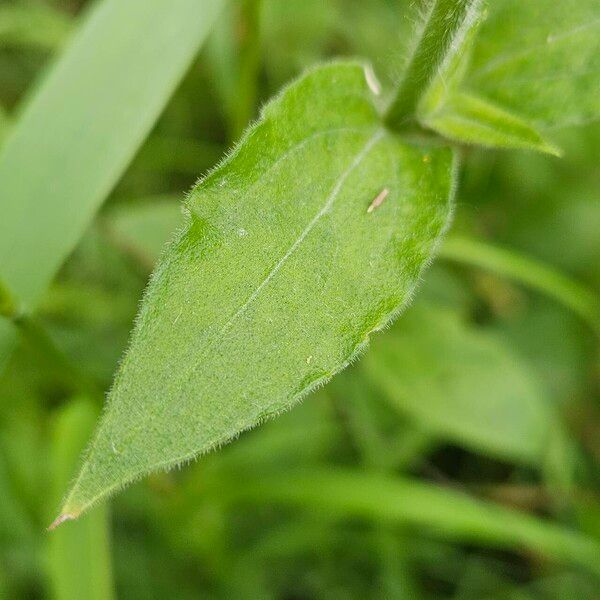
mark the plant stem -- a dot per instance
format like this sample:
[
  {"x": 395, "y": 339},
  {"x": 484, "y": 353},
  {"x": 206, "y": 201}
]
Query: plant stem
[
  {"x": 40, "y": 341},
  {"x": 38, "y": 338},
  {"x": 444, "y": 25}
]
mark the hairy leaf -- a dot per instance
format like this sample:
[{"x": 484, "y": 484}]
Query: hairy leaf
[
  {"x": 461, "y": 384},
  {"x": 527, "y": 67},
  {"x": 308, "y": 238},
  {"x": 470, "y": 119}
]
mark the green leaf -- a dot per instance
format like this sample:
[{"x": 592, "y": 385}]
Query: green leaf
[
  {"x": 82, "y": 127},
  {"x": 429, "y": 91},
  {"x": 439, "y": 511},
  {"x": 495, "y": 91},
  {"x": 466, "y": 118},
  {"x": 78, "y": 555},
  {"x": 283, "y": 270},
  {"x": 527, "y": 271},
  {"x": 462, "y": 384},
  {"x": 540, "y": 59}
]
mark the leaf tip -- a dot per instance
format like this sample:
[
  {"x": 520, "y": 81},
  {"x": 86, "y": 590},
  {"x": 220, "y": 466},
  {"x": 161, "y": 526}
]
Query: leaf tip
[
  {"x": 553, "y": 150},
  {"x": 549, "y": 147},
  {"x": 60, "y": 520}
]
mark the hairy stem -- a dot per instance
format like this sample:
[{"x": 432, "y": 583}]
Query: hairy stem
[{"x": 444, "y": 26}]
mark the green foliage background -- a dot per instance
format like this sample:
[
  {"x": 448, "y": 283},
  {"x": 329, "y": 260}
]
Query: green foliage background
[{"x": 458, "y": 460}]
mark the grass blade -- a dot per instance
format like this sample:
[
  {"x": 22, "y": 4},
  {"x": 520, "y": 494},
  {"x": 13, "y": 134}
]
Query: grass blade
[
  {"x": 445, "y": 512},
  {"x": 82, "y": 127},
  {"x": 79, "y": 554},
  {"x": 527, "y": 271}
]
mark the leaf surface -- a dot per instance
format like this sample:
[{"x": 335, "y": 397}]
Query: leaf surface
[{"x": 277, "y": 279}]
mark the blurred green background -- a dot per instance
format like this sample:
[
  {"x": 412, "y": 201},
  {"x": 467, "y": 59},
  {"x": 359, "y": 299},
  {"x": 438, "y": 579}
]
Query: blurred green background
[{"x": 458, "y": 459}]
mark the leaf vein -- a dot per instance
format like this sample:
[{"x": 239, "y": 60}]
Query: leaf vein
[{"x": 311, "y": 225}]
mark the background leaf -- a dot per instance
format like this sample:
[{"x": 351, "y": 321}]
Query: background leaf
[
  {"x": 551, "y": 74},
  {"x": 461, "y": 384}
]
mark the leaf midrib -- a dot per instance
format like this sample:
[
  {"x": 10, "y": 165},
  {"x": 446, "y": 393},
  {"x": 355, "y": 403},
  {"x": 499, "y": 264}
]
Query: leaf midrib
[
  {"x": 358, "y": 158},
  {"x": 377, "y": 135}
]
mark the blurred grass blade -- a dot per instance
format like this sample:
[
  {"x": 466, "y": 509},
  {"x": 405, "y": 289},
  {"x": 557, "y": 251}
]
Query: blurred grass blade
[
  {"x": 283, "y": 270},
  {"x": 78, "y": 555},
  {"x": 234, "y": 52},
  {"x": 527, "y": 271},
  {"x": 439, "y": 511},
  {"x": 4, "y": 125},
  {"x": 82, "y": 126}
]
